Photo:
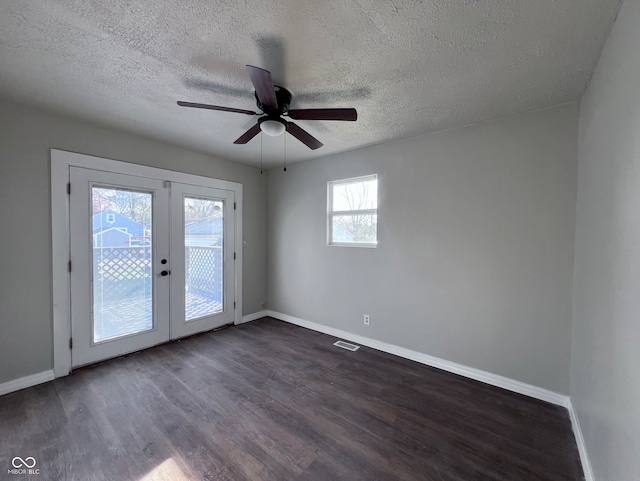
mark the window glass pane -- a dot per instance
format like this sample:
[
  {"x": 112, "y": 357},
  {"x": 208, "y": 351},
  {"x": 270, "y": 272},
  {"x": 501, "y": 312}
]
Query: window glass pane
[
  {"x": 203, "y": 251},
  {"x": 359, "y": 195},
  {"x": 355, "y": 228},
  {"x": 122, "y": 253}
]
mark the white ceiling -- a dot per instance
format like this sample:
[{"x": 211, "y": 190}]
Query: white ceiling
[{"x": 407, "y": 66}]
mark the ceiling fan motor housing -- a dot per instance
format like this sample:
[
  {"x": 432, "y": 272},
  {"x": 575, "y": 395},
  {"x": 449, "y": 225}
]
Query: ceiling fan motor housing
[{"x": 283, "y": 96}]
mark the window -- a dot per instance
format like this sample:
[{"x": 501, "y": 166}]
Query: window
[
  {"x": 111, "y": 218},
  {"x": 353, "y": 211}
]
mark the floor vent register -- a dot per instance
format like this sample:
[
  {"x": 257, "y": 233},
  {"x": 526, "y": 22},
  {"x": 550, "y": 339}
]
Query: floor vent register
[{"x": 346, "y": 345}]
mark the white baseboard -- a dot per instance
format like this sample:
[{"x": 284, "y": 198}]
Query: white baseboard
[
  {"x": 253, "y": 317},
  {"x": 466, "y": 371},
  {"x": 582, "y": 447},
  {"x": 25, "y": 382}
]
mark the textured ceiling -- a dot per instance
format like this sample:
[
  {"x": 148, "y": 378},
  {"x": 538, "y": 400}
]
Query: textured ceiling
[{"x": 407, "y": 66}]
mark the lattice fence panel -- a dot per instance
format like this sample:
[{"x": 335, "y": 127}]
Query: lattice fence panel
[
  {"x": 121, "y": 271},
  {"x": 204, "y": 271}
]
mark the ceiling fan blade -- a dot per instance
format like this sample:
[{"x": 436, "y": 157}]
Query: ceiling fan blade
[
  {"x": 248, "y": 135},
  {"x": 216, "y": 107},
  {"x": 261, "y": 80},
  {"x": 324, "y": 114},
  {"x": 303, "y": 136}
]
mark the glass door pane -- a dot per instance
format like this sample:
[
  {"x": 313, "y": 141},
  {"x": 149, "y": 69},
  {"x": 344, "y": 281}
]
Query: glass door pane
[
  {"x": 120, "y": 276},
  {"x": 203, "y": 249},
  {"x": 202, "y": 260},
  {"x": 122, "y": 262}
]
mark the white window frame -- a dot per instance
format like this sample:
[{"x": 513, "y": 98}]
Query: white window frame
[{"x": 331, "y": 213}]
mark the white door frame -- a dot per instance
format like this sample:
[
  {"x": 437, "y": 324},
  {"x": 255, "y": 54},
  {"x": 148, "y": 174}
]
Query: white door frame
[{"x": 61, "y": 161}]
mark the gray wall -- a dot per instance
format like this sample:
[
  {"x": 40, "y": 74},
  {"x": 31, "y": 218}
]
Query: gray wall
[
  {"x": 475, "y": 255},
  {"x": 26, "y": 136},
  {"x": 605, "y": 360}
]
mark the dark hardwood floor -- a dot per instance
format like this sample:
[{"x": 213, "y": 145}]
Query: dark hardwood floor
[{"x": 271, "y": 401}]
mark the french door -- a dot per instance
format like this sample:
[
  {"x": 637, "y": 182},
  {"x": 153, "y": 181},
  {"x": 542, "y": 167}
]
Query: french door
[{"x": 151, "y": 261}]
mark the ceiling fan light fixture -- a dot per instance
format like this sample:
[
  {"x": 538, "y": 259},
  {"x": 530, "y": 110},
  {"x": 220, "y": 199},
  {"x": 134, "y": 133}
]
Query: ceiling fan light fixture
[
  {"x": 272, "y": 127},
  {"x": 273, "y": 101}
]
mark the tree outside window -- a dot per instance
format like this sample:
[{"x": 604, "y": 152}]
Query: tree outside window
[{"x": 353, "y": 211}]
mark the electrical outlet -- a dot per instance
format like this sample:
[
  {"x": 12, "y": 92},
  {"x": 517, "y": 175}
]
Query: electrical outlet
[{"x": 367, "y": 320}]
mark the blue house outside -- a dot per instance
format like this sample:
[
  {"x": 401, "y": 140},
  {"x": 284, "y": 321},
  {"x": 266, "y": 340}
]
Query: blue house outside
[
  {"x": 111, "y": 229},
  {"x": 112, "y": 237}
]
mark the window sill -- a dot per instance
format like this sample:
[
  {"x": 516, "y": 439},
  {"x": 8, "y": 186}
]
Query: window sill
[{"x": 352, "y": 244}]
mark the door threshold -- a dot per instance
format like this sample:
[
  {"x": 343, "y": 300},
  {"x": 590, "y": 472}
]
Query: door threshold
[{"x": 170, "y": 341}]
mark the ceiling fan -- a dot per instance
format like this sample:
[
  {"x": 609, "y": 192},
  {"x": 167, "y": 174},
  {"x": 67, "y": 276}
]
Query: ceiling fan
[{"x": 274, "y": 101}]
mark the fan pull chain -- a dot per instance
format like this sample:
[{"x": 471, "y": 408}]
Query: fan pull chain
[
  {"x": 261, "y": 153},
  {"x": 285, "y": 152}
]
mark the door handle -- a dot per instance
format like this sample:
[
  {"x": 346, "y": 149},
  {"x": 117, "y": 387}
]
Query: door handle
[{"x": 165, "y": 273}]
